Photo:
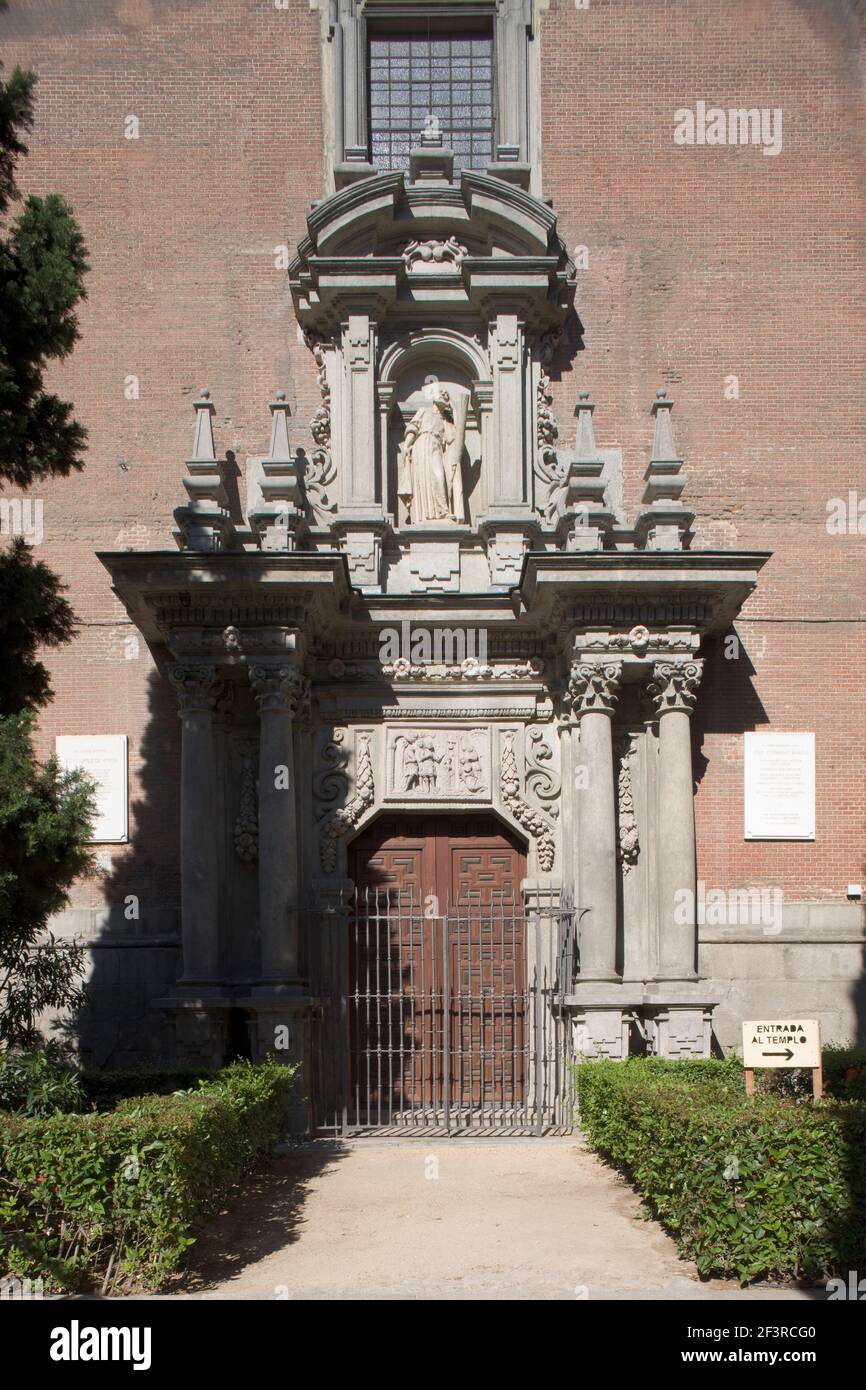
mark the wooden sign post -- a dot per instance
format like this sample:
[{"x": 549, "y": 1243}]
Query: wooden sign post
[{"x": 787, "y": 1044}]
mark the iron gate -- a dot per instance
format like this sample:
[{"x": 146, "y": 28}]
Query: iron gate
[{"x": 442, "y": 1024}]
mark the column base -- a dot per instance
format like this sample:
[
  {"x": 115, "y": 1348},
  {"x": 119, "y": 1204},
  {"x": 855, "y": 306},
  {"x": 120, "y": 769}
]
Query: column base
[
  {"x": 281, "y": 1031},
  {"x": 201, "y": 1027},
  {"x": 667, "y": 1018}
]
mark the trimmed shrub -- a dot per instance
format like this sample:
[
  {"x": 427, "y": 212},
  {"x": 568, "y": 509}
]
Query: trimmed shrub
[
  {"x": 109, "y": 1201},
  {"x": 105, "y": 1088},
  {"x": 769, "y": 1189}
]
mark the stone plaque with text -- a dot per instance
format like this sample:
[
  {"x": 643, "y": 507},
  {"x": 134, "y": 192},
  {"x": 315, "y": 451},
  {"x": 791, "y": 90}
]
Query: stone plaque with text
[
  {"x": 779, "y": 791},
  {"x": 102, "y": 757}
]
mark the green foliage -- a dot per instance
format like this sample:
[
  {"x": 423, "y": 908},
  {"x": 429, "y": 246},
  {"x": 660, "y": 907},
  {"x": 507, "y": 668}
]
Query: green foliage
[
  {"x": 45, "y": 820},
  {"x": 33, "y": 615},
  {"x": 42, "y": 266},
  {"x": 844, "y": 1077},
  {"x": 760, "y": 1190},
  {"x": 110, "y": 1201},
  {"x": 37, "y": 1083}
]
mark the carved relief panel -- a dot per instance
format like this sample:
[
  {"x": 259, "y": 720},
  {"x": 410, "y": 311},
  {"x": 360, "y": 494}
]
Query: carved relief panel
[{"x": 437, "y": 764}]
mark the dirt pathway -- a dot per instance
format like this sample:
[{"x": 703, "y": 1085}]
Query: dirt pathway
[{"x": 419, "y": 1219}]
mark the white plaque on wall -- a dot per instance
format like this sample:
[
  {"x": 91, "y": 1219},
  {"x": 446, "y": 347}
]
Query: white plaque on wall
[
  {"x": 779, "y": 790},
  {"x": 102, "y": 757}
]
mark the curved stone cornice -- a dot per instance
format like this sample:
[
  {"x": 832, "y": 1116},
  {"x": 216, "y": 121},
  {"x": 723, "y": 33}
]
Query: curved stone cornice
[
  {"x": 674, "y": 685},
  {"x": 354, "y": 248}
]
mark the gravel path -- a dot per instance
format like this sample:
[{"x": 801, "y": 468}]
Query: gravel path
[{"x": 432, "y": 1219}]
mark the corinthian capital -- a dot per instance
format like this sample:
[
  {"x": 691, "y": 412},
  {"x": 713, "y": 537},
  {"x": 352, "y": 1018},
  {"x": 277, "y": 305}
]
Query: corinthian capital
[
  {"x": 674, "y": 685},
  {"x": 593, "y": 687},
  {"x": 196, "y": 686},
  {"x": 277, "y": 687}
]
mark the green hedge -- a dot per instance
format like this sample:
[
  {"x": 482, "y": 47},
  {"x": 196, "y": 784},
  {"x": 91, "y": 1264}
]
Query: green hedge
[
  {"x": 105, "y": 1088},
  {"x": 108, "y": 1201},
  {"x": 770, "y": 1189}
]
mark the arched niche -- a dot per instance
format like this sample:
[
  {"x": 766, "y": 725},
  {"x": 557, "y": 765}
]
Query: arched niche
[{"x": 411, "y": 371}]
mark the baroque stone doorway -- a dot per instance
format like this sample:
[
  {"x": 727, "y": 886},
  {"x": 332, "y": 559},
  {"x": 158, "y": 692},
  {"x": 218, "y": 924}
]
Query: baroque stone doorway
[{"x": 445, "y": 985}]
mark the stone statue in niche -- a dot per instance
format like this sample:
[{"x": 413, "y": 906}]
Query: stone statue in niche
[{"x": 429, "y": 480}]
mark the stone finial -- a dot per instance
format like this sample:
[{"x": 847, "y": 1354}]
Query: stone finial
[
  {"x": 430, "y": 160},
  {"x": 204, "y": 524},
  {"x": 586, "y": 516},
  {"x": 664, "y": 523},
  {"x": 203, "y": 445},
  {"x": 278, "y": 517}
]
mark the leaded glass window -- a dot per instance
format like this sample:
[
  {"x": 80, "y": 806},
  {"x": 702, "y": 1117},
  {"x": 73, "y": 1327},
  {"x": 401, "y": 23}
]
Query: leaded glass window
[{"x": 414, "y": 77}]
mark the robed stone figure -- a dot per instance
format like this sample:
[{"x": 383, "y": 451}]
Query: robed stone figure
[{"x": 429, "y": 480}]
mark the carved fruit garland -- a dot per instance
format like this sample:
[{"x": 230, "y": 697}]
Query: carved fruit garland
[
  {"x": 320, "y": 470},
  {"x": 339, "y": 822},
  {"x": 539, "y": 825},
  {"x": 247, "y": 823},
  {"x": 628, "y": 847}
]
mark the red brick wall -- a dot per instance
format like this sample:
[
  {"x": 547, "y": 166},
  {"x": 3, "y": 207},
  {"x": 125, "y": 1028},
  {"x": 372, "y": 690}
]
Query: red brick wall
[{"x": 708, "y": 261}]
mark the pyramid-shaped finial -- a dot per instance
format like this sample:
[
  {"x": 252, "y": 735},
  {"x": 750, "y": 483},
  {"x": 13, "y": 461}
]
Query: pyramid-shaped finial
[
  {"x": 663, "y": 438},
  {"x": 205, "y": 522},
  {"x": 280, "y": 412},
  {"x": 664, "y": 523},
  {"x": 203, "y": 445},
  {"x": 585, "y": 450}
]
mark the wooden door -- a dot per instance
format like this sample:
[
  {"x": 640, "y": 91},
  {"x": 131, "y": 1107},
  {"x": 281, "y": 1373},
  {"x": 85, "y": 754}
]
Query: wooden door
[{"x": 437, "y": 967}]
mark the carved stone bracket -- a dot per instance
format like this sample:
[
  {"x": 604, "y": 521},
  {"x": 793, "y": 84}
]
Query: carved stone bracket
[
  {"x": 542, "y": 781},
  {"x": 674, "y": 685},
  {"x": 339, "y": 822},
  {"x": 435, "y": 254},
  {"x": 540, "y": 825}
]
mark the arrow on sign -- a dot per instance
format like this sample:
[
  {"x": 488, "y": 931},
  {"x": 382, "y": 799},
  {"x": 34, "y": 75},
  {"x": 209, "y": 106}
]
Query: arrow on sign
[{"x": 787, "y": 1054}]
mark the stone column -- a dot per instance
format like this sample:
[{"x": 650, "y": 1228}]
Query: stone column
[
  {"x": 673, "y": 690},
  {"x": 277, "y": 690},
  {"x": 198, "y": 690},
  {"x": 592, "y": 693}
]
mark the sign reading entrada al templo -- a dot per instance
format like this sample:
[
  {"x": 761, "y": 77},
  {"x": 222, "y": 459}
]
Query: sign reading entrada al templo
[{"x": 793, "y": 1043}]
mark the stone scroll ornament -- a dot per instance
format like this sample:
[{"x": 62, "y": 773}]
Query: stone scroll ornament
[
  {"x": 339, "y": 822},
  {"x": 540, "y": 825}
]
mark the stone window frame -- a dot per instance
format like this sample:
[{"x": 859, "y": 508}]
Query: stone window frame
[{"x": 347, "y": 23}]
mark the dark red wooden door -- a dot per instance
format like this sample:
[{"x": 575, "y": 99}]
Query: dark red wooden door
[{"x": 437, "y": 964}]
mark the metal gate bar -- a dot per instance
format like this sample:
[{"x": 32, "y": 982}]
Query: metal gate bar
[{"x": 444, "y": 1024}]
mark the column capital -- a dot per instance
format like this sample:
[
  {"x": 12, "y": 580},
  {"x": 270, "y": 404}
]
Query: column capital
[
  {"x": 674, "y": 686},
  {"x": 593, "y": 687},
  {"x": 196, "y": 685},
  {"x": 277, "y": 687}
]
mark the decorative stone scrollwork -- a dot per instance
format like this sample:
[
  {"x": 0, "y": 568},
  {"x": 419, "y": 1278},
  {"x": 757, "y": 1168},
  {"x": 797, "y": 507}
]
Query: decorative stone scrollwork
[
  {"x": 277, "y": 687},
  {"x": 592, "y": 687},
  {"x": 434, "y": 254},
  {"x": 541, "y": 779},
  {"x": 628, "y": 843},
  {"x": 674, "y": 685},
  {"x": 540, "y": 825},
  {"x": 345, "y": 818},
  {"x": 319, "y": 471},
  {"x": 246, "y": 829},
  {"x": 196, "y": 686}
]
